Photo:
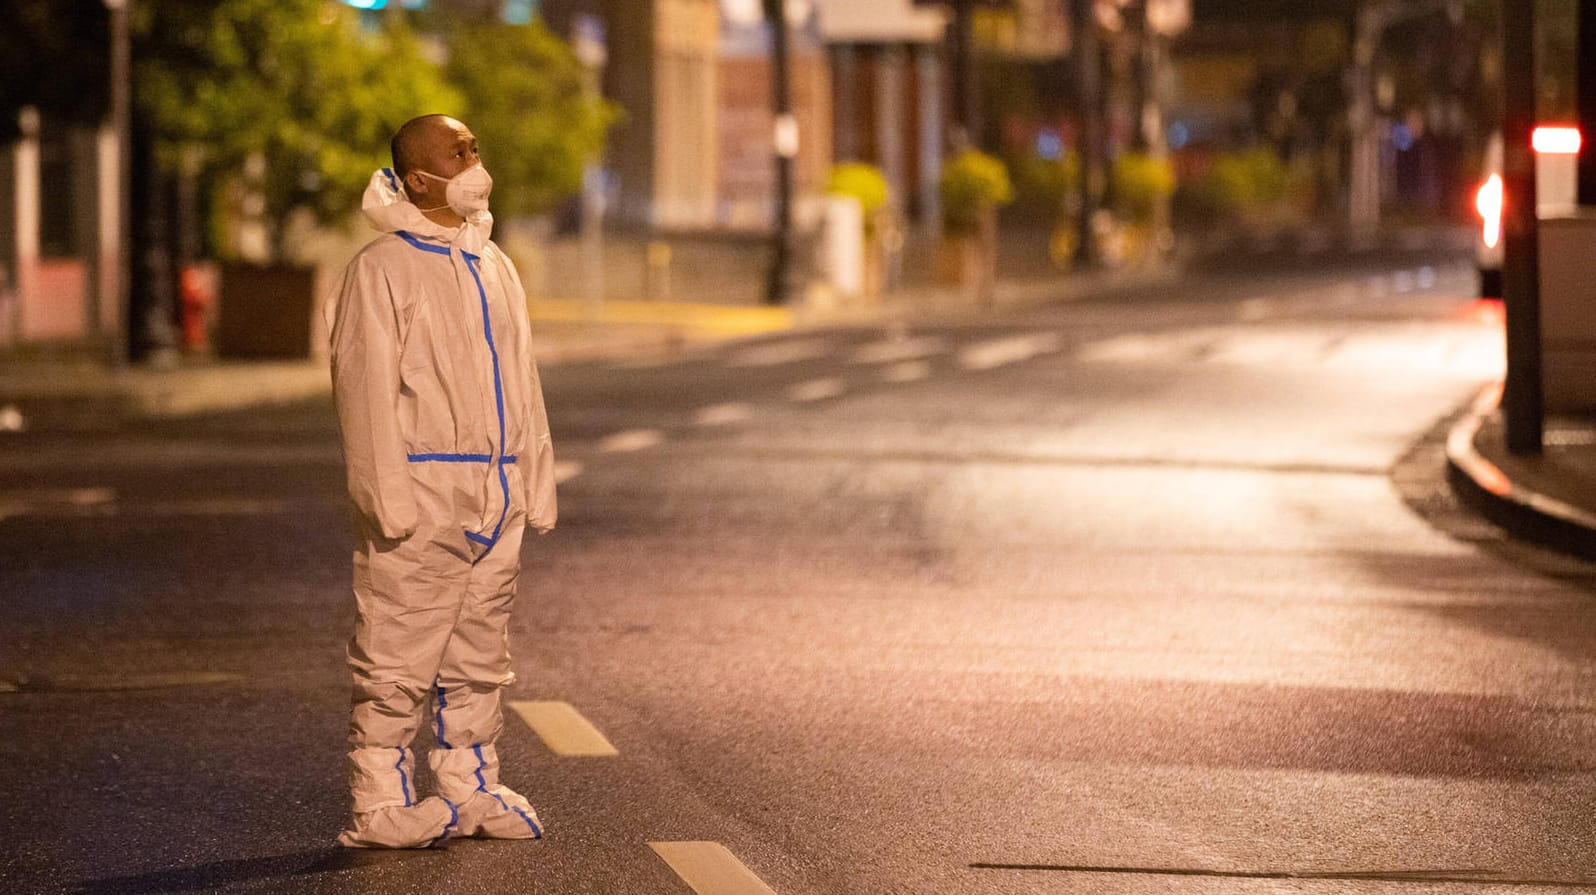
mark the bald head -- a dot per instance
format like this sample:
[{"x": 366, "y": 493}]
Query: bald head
[
  {"x": 428, "y": 152},
  {"x": 411, "y": 143}
]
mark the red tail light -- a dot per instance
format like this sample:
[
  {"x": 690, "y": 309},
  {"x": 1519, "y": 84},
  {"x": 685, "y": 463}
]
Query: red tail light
[
  {"x": 1556, "y": 140},
  {"x": 1488, "y": 202}
]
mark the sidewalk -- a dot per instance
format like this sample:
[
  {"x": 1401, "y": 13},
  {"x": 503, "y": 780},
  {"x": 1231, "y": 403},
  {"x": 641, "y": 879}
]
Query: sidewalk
[{"x": 1549, "y": 499}]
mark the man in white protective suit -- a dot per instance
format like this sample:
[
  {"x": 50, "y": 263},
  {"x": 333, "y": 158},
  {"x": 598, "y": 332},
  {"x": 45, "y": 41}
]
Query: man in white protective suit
[{"x": 447, "y": 443}]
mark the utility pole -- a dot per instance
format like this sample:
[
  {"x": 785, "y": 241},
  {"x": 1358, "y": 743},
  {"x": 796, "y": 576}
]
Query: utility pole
[
  {"x": 965, "y": 122},
  {"x": 1089, "y": 124},
  {"x": 116, "y": 176},
  {"x": 1585, "y": 93},
  {"x": 1160, "y": 22},
  {"x": 1523, "y": 411},
  {"x": 592, "y": 50},
  {"x": 778, "y": 287}
]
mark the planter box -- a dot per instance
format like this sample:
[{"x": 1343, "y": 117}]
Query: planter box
[{"x": 264, "y": 311}]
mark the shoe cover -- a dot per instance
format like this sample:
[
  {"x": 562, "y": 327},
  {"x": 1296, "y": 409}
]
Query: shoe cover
[
  {"x": 416, "y": 826},
  {"x": 499, "y": 812},
  {"x": 469, "y": 777}
]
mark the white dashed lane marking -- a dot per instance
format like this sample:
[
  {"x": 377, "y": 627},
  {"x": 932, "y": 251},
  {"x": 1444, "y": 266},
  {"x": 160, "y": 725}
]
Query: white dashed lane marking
[
  {"x": 995, "y": 353},
  {"x": 908, "y": 371},
  {"x": 775, "y": 354},
  {"x": 563, "y": 729},
  {"x": 723, "y": 414},
  {"x": 631, "y": 440},
  {"x": 903, "y": 349},
  {"x": 56, "y": 502},
  {"x": 817, "y": 390},
  {"x": 710, "y": 869}
]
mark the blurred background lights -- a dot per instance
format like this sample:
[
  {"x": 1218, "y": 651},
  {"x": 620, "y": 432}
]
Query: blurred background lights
[
  {"x": 1401, "y": 137},
  {"x": 383, "y": 4},
  {"x": 1049, "y": 145}
]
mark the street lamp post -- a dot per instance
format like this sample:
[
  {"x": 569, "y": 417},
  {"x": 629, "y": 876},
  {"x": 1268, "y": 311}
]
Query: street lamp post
[
  {"x": 592, "y": 50},
  {"x": 116, "y": 168},
  {"x": 1585, "y": 90},
  {"x": 1089, "y": 99},
  {"x": 778, "y": 286},
  {"x": 1522, "y": 401}
]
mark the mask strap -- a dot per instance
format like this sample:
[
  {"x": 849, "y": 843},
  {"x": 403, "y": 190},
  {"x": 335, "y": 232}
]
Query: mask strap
[{"x": 434, "y": 177}]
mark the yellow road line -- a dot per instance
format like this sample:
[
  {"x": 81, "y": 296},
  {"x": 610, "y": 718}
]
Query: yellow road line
[
  {"x": 563, "y": 729},
  {"x": 710, "y": 869}
]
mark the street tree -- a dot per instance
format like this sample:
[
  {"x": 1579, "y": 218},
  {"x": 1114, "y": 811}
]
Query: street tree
[
  {"x": 294, "y": 92},
  {"x": 534, "y": 107}
]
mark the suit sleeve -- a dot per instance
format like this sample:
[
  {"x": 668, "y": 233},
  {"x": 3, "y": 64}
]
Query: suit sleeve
[
  {"x": 365, "y": 374},
  {"x": 537, "y": 470}
]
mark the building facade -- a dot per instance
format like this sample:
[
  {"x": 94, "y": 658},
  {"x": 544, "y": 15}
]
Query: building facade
[{"x": 694, "y": 150}]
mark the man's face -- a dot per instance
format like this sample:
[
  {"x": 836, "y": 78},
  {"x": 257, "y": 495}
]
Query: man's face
[{"x": 447, "y": 148}]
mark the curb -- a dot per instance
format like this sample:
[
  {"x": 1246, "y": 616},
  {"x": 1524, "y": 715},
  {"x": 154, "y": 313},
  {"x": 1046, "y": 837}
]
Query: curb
[{"x": 1525, "y": 514}]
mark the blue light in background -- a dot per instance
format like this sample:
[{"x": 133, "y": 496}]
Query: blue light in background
[
  {"x": 1179, "y": 135},
  {"x": 1401, "y": 137},
  {"x": 520, "y": 12},
  {"x": 1049, "y": 145},
  {"x": 383, "y": 4}
]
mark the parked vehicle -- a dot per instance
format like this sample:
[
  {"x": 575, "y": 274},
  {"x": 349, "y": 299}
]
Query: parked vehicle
[{"x": 1556, "y": 193}]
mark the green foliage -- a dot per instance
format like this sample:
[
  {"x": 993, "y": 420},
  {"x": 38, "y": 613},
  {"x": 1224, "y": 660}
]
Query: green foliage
[
  {"x": 861, "y": 181},
  {"x": 973, "y": 184},
  {"x": 1140, "y": 183},
  {"x": 293, "y": 82},
  {"x": 527, "y": 102}
]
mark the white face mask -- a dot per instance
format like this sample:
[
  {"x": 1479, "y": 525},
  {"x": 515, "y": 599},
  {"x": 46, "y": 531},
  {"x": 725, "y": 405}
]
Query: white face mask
[{"x": 466, "y": 192}]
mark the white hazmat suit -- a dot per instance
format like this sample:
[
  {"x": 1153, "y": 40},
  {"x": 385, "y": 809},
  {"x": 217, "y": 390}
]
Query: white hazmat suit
[{"x": 449, "y": 456}]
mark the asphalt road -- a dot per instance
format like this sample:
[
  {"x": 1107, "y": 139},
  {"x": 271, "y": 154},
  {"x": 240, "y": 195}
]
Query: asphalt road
[{"x": 1114, "y": 596}]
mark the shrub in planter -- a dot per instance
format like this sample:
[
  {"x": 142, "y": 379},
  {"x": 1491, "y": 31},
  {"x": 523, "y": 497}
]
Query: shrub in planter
[
  {"x": 973, "y": 186},
  {"x": 860, "y": 181},
  {"x": 1141, "y": 183},
  {"x": 866, "y": 185}
]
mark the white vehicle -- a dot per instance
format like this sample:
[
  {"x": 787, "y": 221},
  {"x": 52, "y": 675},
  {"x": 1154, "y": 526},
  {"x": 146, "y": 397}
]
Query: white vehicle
[{"x": 1556, "y": 193}]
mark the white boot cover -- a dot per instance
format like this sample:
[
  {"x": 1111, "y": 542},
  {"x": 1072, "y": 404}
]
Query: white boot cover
[
  {"x": 422, "y": 825},
  {"x": 386, "y": 811},
  {"x": 469, "y": 777}
]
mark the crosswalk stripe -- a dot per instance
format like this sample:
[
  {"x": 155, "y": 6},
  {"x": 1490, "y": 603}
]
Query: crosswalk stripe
[
  {"x": 631, "y": 440},
  {"x": 775, "y": 354},
  {"x": 901, "y": 349},
  {"x": 995, "y": 353},
  {"x": 54, "y": 501},
  {"x": 723, "y": 414},
  {"x": 563, "y": 729},
  {"x": 709, "y": 868},
  {"x": 817, "y": 390},
  {"x": 565, "y": 470},
  {"x": 908, "y": 371}
]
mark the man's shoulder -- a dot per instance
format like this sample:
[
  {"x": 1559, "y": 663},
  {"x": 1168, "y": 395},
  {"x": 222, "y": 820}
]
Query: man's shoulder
[{"x": 492, "y": 250}]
